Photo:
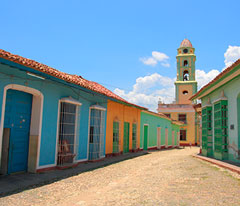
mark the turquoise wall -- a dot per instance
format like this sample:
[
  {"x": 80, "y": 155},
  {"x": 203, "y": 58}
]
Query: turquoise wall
[
  {"x": 154, "y": 122},
  {"x": 52, "y": 92},
  {"x": 231, "y": 91}
]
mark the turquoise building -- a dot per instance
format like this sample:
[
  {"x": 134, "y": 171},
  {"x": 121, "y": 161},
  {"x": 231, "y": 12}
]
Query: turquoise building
[
  {"x": 221, "y": 115},
  {"x": 48, "y": 118},
  {"x": 158, "y": 131}
]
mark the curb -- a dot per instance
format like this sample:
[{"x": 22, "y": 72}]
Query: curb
[{"x": 225, "y": 165}]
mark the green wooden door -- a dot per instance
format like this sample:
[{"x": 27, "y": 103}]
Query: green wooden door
[
  {"x": 126, "y": 138},
  {"x": 145, "y": 143}
]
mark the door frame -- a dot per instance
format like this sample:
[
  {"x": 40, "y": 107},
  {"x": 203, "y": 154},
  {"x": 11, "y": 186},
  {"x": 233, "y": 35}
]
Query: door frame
[{"x": 36, "y": 120}]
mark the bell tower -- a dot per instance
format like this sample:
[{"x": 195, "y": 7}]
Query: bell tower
[{"x": 185, "y": 85}]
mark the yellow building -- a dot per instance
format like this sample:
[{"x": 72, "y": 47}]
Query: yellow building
[
  {"x": 186, "y": 86},
  {"x": 123, "y": 128}
]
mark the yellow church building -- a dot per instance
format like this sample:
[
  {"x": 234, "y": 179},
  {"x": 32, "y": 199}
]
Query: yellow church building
[{"x": 185, "y": 86}]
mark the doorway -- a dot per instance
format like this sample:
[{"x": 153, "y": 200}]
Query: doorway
[
  {"x": 145, "y": 142},
  {"x": 17, "y": 119}
]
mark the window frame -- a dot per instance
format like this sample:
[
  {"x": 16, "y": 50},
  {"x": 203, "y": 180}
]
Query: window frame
[
  {"x": 68, "y": 100},
  {"x": 185, "y": 122},
  {"x": 114, "y": 132},
  {"x": 185, "y": 134}
]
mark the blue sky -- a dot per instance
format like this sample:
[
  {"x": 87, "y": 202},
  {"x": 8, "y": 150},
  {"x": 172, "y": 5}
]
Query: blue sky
[{"x": 104, "y": 41}]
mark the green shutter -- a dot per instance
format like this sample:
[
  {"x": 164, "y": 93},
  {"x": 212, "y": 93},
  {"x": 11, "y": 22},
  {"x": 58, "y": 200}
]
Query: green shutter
[
  {"x": 134, "y": 136},
  {"x": 126, "y": 138},
  {"x": 221, "y": 129},
  {"x": 204, "y": 131},
  {"x": 207, "y": 144}
]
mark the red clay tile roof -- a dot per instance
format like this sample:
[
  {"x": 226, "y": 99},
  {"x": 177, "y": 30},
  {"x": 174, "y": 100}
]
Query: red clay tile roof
[
  {"x": 75, "y": 79},
  {"x": 186, "y": 43},
  {"x": 223, "y": 73}
]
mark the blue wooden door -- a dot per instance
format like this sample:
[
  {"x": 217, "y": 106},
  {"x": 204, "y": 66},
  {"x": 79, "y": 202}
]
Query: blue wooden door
[{"x": 17, "y": 118}]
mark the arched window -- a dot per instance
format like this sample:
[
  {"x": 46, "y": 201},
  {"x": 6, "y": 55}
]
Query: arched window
[
  {"x": 185, "y": 75},
  {"x": 185, "y": 63}
]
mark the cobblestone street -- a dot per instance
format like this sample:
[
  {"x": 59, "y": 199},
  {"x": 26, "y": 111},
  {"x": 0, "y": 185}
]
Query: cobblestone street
[{"x": 170, "y": 177}]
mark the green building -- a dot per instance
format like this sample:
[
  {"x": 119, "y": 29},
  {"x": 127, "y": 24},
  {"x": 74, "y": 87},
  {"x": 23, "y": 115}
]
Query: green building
[
  {"x": 158, "y": 131},
  {"x": 221, "y": 115}
]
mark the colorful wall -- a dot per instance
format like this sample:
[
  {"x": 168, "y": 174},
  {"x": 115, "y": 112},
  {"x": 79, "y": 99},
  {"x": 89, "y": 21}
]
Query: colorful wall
[
  {"x": 121, "y": 113},
  {"x": 52, "y": 92},
  {"x": 189, "y": 127},
  {"x": 156, "y": 122},
  {"x": 230, "y": 92}
]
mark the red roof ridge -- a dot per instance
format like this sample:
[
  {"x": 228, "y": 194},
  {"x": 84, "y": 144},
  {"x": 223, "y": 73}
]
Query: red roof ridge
[
  {"x": 225, "y": 71},
  {"x": 71, "y": 78}
]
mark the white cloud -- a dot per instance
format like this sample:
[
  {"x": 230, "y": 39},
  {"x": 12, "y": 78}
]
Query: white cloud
[
  {"x": 231, "y": 55},
  {"x": 155, "y": 58},
  {"x": 148, "y": 89},
  {"x": 203, "y": 78},
  {"x": 149, "y": 61},
  {"x": 159, "y": 56}
]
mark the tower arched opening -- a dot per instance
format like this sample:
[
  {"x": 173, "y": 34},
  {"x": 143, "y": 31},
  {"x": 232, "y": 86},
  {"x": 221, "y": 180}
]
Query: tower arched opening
[
  {"x": 185, "y": 76},
  {"x": 185, "y": 63}
]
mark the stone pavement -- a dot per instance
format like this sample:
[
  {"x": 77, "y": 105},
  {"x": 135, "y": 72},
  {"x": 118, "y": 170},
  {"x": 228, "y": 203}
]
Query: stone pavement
[
  {"x": 18, "y": 182},
  {"x": 219, "y": 163},
  {"x": 169, "y": 177}
]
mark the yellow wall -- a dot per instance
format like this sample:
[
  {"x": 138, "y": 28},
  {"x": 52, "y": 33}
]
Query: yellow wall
[
  {"x": 184, "y": 98},
  {"x": 190, "y": 126},
  {"x": 122, "y": 113}
]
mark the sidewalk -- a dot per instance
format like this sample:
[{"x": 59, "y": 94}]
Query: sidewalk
[
  {"x": 10, "y": 184},
  {"x": 219, "y": 163}
]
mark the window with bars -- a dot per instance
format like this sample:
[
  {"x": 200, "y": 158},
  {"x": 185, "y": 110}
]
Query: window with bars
[
  {"x": 134, "y": 136},
  {"x": 68, "y": 133},
  {"x": 221, "y": 126},
  {"x": 96, "y": 132},
  {"x": 116, "y": 143},
  {"x": 182, "y": 118},
  {"x": 183, "y": 135}
]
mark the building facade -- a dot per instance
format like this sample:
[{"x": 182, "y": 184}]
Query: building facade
[
  {"x": 221, "y": 115},
  {"x": 50, "y": 119},
  {"x": 185, "y": 86},
  {"x": 158, "y": 131},
  {"x": 123, "y": 128}
]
